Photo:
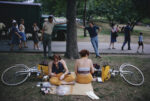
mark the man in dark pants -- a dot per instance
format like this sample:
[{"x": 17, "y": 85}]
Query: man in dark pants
[
  {"x": 127, "y": 38},
  {"x": 47, "y": 35}
]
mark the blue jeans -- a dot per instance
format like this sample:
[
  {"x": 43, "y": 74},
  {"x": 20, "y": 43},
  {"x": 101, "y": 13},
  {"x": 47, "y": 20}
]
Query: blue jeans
[{"x": 94, "y": 42}]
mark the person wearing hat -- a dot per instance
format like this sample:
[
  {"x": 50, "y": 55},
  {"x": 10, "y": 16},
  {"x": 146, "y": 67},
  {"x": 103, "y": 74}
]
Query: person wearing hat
[
  {"x": 15, "y": 36},
  {"x": 47, "y": 35}
]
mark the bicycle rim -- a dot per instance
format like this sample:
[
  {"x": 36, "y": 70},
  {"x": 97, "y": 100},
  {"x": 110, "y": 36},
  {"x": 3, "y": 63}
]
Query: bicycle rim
[
  {"x": 132, "y": 74},
  {"x": 12, "y": 75}
]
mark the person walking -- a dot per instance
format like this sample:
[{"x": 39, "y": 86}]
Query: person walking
[
  {"x": 47, "y": 35},
  {"x": 35, "y": 37},
  {"x": 140, "y": 42},
  {"x": 127, "y": 35},
  {"x": 92, "y": 29},
  {"x": 22, "y": 33}
]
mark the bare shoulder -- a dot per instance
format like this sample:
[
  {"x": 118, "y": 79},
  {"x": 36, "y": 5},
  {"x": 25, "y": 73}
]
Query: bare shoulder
[
  {"x": 50, "y": 63},
  {"x": 62, "y": 61}
]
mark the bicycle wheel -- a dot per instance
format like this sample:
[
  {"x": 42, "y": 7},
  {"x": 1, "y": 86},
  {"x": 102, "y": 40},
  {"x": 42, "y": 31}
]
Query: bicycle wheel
[
  {"x": 15, "y": 75},
  {"x": 131, "y": 74}
]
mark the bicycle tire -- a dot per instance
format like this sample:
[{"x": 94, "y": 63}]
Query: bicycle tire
[
  {"x": 11, "y": 77},
  {"x": 131, "y": 74}
]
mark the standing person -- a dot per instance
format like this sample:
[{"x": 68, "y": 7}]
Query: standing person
[
  {"x": 15, "y": 36},
  {"x": 92, "y": 29},
  {"x": 113, "y": 36},
  {"x": 127, "y": 38},
  {"x": 140, "y": 42},
  {"x": 35, "y": 37},
  {"x": 22, "y": 33},
  {"x": 47, "y": 35}
]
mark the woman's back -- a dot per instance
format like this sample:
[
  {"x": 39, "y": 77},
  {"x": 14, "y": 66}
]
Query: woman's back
[{"x": 83, "y": 63}]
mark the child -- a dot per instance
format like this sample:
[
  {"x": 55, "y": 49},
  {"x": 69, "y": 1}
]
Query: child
[{"x": 140, "y": 42}]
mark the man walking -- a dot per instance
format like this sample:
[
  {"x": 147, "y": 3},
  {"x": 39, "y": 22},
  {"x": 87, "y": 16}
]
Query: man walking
[
  {"x": 127, "y": 35},
  {"x": 92, "y": 29},
  {"x": 47, "y": 35}
]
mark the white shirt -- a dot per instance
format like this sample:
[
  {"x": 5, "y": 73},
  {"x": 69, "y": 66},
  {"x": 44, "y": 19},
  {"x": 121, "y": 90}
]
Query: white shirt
[
  {"x": 48, "y": 27},
  {"x": 2, "y": 25},
  {"x": 140, "y": 38},
  {"x": 22, "y": 28}
]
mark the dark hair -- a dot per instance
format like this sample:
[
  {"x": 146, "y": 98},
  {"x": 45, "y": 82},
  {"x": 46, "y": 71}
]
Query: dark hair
[
  {"x": 21, "y": 20},
  {"x": 15, "y": 24},
  {"x": 128, "y": 23},
  {"x": 50, "y": 17},
  {"x": 56, "y": 56},
  {"x": 141, "y": 33},
  {"x": 91, "y": 22},
  {"x": 84, "y": 52},
  {"x": 112, "y": 25}
]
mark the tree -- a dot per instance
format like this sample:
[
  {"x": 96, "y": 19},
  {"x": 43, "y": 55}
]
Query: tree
[
  {"x": 84, "y": 17},
  {"x": 143, "y": 7},
  {"x": 71, "y": 45},
  {"x": 55, "y": 7}
]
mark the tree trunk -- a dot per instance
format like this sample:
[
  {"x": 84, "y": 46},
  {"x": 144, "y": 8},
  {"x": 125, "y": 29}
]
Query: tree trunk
[
  {"x": 84, "y": 18},
  {"x": 71, "y": 45},
  {"x": 135, "y": 22}
]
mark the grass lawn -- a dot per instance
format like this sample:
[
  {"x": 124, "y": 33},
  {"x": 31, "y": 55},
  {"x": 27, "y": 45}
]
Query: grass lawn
[{"x": 114, "y": 89}]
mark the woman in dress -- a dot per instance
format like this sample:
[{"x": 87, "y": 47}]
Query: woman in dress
[
  {"x": 35, "y": 37},
  {"x": 22, "y": 33},
  {"x": 113, "y": 37}
]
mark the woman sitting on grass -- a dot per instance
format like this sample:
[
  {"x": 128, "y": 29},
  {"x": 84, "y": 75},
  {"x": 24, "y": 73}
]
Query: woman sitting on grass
[
  {"x": 84, "y": 68},
  {"x": 59, "y": 73}
]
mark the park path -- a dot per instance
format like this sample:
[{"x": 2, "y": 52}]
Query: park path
[{"x": 60, "y": 47}]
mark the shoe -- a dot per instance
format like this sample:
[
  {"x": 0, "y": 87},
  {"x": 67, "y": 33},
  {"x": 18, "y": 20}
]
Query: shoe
[
  {"x": 113, "y": 48},
  {"x": 98, "y": 57},
  {"x": 129, "y": 48}
]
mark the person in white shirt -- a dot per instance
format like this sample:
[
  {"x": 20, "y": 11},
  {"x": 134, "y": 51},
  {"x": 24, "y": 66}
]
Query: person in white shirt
[
  {"x": 22, "y": 33},
  {"x": 47, "y": 35},
  {"x": 2, "y": 27}
]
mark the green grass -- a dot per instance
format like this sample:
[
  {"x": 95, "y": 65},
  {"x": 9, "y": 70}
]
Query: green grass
[{"x": 115, "y": 89}]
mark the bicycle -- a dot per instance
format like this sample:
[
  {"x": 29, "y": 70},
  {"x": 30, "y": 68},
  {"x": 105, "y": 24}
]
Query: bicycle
[
  {"x": 130, "y": 73},
  {"x": 18, "y": 74}
]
